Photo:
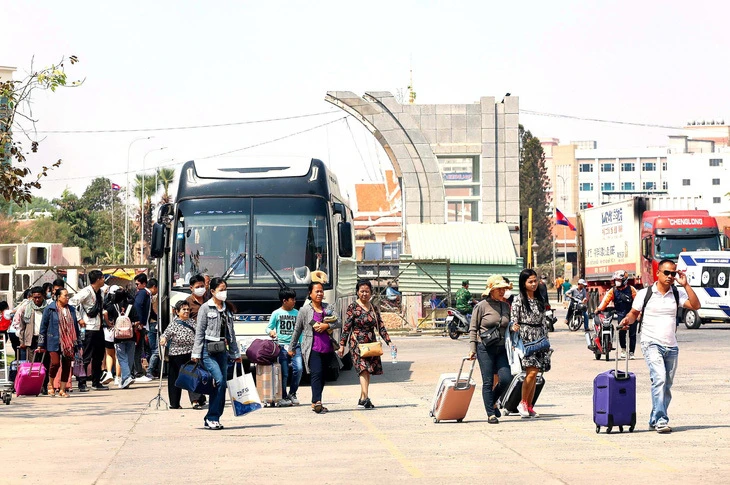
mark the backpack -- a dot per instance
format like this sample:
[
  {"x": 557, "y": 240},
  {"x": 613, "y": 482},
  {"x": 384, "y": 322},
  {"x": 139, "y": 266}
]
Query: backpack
[
  {"x": 123, "y": 329},
  {"x": 649, "y": 292}
]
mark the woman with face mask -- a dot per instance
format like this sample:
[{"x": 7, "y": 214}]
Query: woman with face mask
[
  {"x": 198, "y": 296},
  {"x": 215, "y": 341}
]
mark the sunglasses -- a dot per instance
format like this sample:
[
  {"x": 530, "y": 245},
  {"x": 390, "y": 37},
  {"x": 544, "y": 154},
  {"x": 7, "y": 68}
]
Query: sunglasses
[{"x": 669, "y": 273}]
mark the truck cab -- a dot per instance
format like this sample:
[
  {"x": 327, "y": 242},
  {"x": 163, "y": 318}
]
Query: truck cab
[
  {"x": 708, "y": 273},
  {"x": 666, "y": 234}
]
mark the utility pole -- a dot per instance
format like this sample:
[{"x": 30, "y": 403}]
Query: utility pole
[{"x": 529, "y": 237}]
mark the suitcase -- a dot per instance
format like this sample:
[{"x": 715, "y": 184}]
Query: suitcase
[
  {"x": 13, "y": 370},
  {"x": 453, "y": 395},
  {"x": 614, "y": 399},
  {"x": 511, "y": 398},
  {"x": 29, "y": 380},
  {"x": 268, "y": 383}
]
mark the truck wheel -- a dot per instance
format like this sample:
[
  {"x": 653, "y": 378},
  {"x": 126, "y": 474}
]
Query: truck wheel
[{"x": 692, "y": 319}]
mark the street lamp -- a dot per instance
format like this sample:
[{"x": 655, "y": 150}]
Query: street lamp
[
  {"x": 535, "y": 247},
  {"x": 126, "y": 199},
  {"x": 141, "y": 209}
]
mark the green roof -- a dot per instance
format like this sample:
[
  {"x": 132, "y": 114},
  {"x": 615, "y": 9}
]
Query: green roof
[{"x": 488, "y": 244}]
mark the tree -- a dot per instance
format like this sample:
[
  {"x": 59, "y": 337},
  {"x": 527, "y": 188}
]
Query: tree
[
  {"x": 166, "y": 176},
  {"x": 16, "y": 179},
  {"x": 534, "y": 184},
  {"x": 150, "y": 184},
  {"x": 106, "y": 221}
]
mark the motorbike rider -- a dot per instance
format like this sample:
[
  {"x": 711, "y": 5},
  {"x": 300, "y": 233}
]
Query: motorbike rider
[
  {"x": 622, "y": 295},
  {"x": 579, "y": 292},
  {"x": 543, "y": 290},
  {"x": 392, "y": 294},
  {"x": 464, "y": 300}
]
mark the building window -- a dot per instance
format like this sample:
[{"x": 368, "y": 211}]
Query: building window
[
  {"x": 462, "y": 211},
  {"x": 585, "y": 205},
  {"x": 685, "y": 182},
  {"x": 664, "y": 166},
  {"x": 715, "y": 181},
  {"x": 716, "y": 200},
  {"x": 665, "y": 185},
  {"x": 607, "y": 167},
  {"x": 585, "y": 167},
  {"x": 628, "y": 167},
  {"x": 716, "y": 162},
  {"x": 627, "y": 186},
  {"x": 608, "y": 186},
  {"x": 461, "y": 179},
  {"x": 649, "y": 185},
  {"x": 649, "y": 167},
  {"x": 586, "y": 187}
]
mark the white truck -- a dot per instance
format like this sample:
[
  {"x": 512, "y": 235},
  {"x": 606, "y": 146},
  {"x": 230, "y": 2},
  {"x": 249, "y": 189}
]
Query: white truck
[{"x": 708, "y": 273}]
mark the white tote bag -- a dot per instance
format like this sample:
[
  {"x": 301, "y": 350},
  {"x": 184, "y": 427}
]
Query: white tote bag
[{"x": 242, "y": 391}]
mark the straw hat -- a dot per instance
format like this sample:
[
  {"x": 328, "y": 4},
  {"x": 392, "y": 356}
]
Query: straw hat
[{"x": 494, "y": 282}]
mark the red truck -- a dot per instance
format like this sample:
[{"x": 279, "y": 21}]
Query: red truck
[{"x": 629, "y": 235}]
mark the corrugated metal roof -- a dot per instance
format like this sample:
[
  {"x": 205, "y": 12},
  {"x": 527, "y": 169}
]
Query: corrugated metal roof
[{"x": 462, "y": 243}]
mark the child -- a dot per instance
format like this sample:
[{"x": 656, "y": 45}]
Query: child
[{"x": 281, "y": 326}]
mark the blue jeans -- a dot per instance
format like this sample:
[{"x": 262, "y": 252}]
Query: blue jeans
[
  {"x": 493, "y": 360},
  {"x": 125, "y": 354},
  {"x": 155, "y": 356},
  {"x": 217, "y": 365},
  {"x": 662, "y": 363},
  {"x": 297, "y": 365}
]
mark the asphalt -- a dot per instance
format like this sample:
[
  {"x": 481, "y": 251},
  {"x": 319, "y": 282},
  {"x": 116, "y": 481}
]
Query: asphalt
[{"x": 106, "y": 437}]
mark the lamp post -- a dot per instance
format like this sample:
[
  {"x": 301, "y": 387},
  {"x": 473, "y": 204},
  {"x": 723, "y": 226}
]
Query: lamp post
[
  {"x": 535, "y": 247},
  {"x": 141, "y": 209},
  {"x": 126, "y": 200}
]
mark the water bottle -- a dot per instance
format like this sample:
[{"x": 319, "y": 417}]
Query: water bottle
[
  {"x": 393, "y": 354},
  {"x": 83, "y": 333}
]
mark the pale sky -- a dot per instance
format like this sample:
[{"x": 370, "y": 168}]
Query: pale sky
[{"x": 182, "y": 63}]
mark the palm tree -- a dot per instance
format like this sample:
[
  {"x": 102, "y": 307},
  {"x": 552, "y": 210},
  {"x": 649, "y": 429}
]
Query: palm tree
[
  {"x": 150, "y": 184},
  {"x": 166, "y": 176}
]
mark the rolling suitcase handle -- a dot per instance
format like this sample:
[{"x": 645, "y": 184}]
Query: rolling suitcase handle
[
  {"x": 458, "y": 376},
  {"x": 620, "y": 376}
]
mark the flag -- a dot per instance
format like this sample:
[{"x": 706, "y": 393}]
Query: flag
[
  {"x": 560, "y": 219},
  {"x": 589, "y": 206},
  {"x": 116, "y": 187}
]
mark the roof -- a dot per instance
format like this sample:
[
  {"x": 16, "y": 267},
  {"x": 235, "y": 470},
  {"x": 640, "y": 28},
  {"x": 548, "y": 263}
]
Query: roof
[
  {"x": 467, "y": 243},
  {"x": 371, "y": 198}
]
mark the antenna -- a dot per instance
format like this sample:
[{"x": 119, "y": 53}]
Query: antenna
[{"x": 411, "y": 92}]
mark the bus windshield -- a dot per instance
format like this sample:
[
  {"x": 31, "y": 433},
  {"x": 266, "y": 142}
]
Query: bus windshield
[
  {"x": 669, "y": 247},
  {"x": 215, "y": 235}
]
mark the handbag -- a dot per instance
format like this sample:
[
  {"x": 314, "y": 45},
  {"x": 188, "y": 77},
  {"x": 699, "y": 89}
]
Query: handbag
[
  {"x": 242, "y": 391},
  {"x": 79, "y": 370},
  {"x": 194, "y": 378},
  {"x": 216, "y": 347},
  {"x": 372, "y": 349},
  {"x": 491, "y": 337},
  {"x": 537, "y": 346}
]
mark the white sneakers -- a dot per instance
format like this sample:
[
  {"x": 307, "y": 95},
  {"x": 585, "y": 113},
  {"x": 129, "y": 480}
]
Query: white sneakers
[
  {"x": 106, "y": 377},
  {"x": 623, "y": 354},
  {"x": 143, "y": 379},
  {"x": 523, "y": 410},
  {"x": 212, "y": 424},
  {"x": 126, "y": 382},
  {"x": 631, "y": 355},
  {"x": 117, "y": 380}
]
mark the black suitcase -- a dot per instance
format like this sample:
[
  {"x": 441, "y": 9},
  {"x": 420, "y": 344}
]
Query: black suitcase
[
  {"x": 13, "y": 371},
  {"x": 513, "y": 395}
]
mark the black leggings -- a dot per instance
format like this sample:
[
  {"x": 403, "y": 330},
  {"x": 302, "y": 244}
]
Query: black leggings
[{"x": 318, "y": 365}]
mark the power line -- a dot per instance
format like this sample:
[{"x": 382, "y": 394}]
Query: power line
[
  {"x": 365, "y": 165},
  {"x": 598, "y": 120},
  {"x": 193, "y": 127}
]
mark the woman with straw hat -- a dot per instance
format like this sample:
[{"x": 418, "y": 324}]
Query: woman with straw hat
[{"x": 486, "y": 338}]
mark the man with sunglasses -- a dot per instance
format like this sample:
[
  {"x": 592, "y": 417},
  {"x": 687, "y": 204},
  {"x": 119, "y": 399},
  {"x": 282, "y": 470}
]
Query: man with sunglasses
[{"x": 658, "y": 334}]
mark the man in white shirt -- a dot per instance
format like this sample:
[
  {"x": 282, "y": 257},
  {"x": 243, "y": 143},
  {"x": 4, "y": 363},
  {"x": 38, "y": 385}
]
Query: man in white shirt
[
  {"x": 658, "y": 335},
  {"x": 88, "y": 304}
]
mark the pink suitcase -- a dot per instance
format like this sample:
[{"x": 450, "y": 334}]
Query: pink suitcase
[
  {"x": 29, "y": 380},
  {"x": 453, "y": 395}
]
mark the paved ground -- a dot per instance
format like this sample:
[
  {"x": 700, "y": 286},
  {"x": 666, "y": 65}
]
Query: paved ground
[{"x": 113, "y": 437}]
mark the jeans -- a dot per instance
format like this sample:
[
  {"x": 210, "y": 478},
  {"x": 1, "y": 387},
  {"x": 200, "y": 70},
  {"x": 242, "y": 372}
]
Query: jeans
[
  {"x": 662, "y": 363},
  {"x": 139, "y": 353},
  {"x": 559, "y": 295},
  {"x": 217, "y": 365},
  {"x": 297, "y": 365},
  {"x": 155, "y": 356},
  {"x": 94, "y": 352},
  {"x": 493, "y": 360},
  {"x": 571, "y": 309},
  {"x": 125, "y": 355},
  {"x": 318, "y": 365}
]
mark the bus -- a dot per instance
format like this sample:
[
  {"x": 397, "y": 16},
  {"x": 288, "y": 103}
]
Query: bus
[{"x": 261, "y": 227}]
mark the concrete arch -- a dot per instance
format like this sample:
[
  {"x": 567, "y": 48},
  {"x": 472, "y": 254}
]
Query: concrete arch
[{"x": 410, "y": 153}]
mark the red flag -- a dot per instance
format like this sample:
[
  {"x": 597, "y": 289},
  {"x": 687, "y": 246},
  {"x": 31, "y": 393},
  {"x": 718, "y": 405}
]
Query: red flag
[
  {"x": 116, "y": 187},
  {"x": 561, "y": 220}
]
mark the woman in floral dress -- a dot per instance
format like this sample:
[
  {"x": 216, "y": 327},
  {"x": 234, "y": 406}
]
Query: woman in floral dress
[
  {"x": 528, "y": 317},
  {"x": 361, "y": 320}
]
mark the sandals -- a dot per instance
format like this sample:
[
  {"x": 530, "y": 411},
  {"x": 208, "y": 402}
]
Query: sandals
[
  {"x": 52, "y": 393},
  {"x": 318, "y": 408},
  {"x": 62, "y": 394}
]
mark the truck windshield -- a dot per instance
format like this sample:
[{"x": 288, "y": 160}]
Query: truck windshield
[
  {"x": 290, "y": 233},
  {"x": 669, "y": 247}
]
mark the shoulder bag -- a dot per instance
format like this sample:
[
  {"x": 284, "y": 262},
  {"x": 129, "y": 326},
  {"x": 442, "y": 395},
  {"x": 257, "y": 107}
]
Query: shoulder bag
[
  {"x": 492, "y": 336},
  {"x": 372, "y": 349}
]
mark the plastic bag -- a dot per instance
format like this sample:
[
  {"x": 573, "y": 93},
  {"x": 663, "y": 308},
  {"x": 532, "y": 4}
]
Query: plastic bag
[
  {"x": 242, "y": 391},
  {"x": 515, "y": 350}
]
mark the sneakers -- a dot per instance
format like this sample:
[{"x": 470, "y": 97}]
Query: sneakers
[
  {"x": 106, "y": 377},
  {"x": 293, "y": 398},
  {"x": 631, "y": 355},
  {"x": 283, "y": 403},
  {"x": 117, "y": 380},
  {"x": 126, "y": 383},
  {"x": 492, "y": 420},
  {"x": 209, "y": 424},
  {"x": 662, "y": 428},
  {"x": 523, "y": 409},
  {"x": 83, "y": 387},
  {"x": 144, "y": 379},
  {"x": 623, "y": 354},
  {"x": 533, "y": 413},
  {"x": 100, "y": 387}
]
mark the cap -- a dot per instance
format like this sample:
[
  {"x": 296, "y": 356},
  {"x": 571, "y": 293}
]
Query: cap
[
  {"x": 582, "y": 282},
  {"x": 495, "y": 282}
]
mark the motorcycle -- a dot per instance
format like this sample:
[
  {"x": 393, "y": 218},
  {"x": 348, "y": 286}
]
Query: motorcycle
[
  {"x": 576, "y": 320},
  {"x": 600, "y": 341},
  {"x": 456, "y": 323},
  {"x": 550, "y": 317}
]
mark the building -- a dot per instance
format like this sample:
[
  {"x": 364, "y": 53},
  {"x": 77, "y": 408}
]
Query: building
[{"x": 377, "y": 213}]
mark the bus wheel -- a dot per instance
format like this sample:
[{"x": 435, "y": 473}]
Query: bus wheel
[{"x": 692, "y": 319}]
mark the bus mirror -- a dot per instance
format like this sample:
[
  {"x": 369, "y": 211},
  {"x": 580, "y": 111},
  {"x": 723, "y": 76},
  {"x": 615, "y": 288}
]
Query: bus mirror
[
  {"x": 725, "y": 243},
  {"x": 164, "y": 213},
  {"x": 339, "y": 208},
  {"x": 344, "y": 239},
  {"x": 157, "y": 248}
]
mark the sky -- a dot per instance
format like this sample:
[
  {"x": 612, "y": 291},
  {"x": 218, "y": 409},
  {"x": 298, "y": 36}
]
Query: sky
[{"x": 163, "y": 64}]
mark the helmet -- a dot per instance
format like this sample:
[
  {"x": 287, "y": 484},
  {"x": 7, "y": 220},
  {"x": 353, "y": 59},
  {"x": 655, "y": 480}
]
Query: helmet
[{"x": 622, "y": 276}]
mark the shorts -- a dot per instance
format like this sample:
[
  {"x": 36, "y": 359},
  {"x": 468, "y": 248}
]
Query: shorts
[{"x": 109, "y": 345}]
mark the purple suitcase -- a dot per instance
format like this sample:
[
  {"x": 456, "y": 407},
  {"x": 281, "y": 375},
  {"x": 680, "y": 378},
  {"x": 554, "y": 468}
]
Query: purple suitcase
[{"x": 614, "y": 399}]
